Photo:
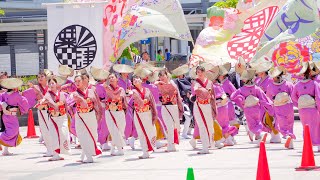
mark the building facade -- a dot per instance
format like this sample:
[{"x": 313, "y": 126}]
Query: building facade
[{"x": 23, "y": 34}]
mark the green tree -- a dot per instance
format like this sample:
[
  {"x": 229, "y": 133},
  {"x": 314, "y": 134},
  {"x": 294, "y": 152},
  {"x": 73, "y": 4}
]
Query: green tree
[
  {"x": 126, "y": 53},
  {"x": 227, "y": 4}
]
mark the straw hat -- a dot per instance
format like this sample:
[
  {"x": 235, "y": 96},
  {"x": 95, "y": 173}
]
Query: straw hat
[
  {"x": 142, "y": 72},
  {"x": 213, "y": 73},
  {"x": 224, "y": 69},
  {"x": 122, "y": 68},
  {"x": 314, "y": 68},
  {"x": 304, "y": 68},
  {"x": 277, "y": 71},
  {"x": 207, "y": 66},
  {"x": 263, "y": 67},
  {"x": 61, "y": 80},
  {"x": 65, "y": 70},
  {"x": 181, "y": 70},
  {"x": 11, "y": 83},
  {"x": 99, "y": 74},
  {"x": 48, "y": 72},
  {"x": 248, "y": 74},
  {"x": 240, "y": 65},
  {"x": 92, "y": 81}
]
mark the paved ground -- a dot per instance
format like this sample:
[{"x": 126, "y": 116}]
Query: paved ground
[{"x": 238, "y": 162}]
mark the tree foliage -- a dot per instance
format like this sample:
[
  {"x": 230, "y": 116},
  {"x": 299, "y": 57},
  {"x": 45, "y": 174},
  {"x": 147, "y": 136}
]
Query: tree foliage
[
  {"x": 227, "y": 4},
  {"x": 126, "y": 54}
]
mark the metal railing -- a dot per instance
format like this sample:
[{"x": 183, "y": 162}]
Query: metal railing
[{"x": 28, "y": 18}]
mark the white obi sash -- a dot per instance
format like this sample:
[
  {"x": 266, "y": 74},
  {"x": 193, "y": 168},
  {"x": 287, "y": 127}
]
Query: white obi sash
[
  {"x": 222, "y": 101},
  {"x": 306, "y": 101},
  {"x": 251, "y": 101},
  {"x": 282, "y": 99}
]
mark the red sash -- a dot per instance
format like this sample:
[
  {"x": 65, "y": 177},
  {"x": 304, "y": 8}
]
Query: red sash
[
  {"x": 144, "y": 132},
  {"x": 204, "y": 121},
  {"x": 204, "y": 85},
  {"x": 43, "y": 90},
  {"x": 98, "y": 151},
  {"x": 175, "y": 131},
  {"x": 56, "y": 127},
  {"x": 114, "y": 120}
]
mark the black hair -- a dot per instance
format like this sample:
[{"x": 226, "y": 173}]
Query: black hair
[
  {"x": 52, "y": 79},
  {"x": 159, "y": 51},
  {"x": 85, "y": 74},
  {"x": 163, "y": 72},
  {"x": 144, "y": 53},
  {"x": 201, "y": 68},
  {"x": 166, "y": 50}
]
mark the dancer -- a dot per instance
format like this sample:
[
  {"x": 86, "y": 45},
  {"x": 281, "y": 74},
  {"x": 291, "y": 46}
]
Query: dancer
[
  {"x": 252, "y": 99},
  {"x": 172, "y": 109},
  {"x": 126, "y": 84},
  {"x": 222, "y": 101},
  {"x": 205, "y": 108},
  {"x": 263, "y": 82},
  {"x": 145, "y": 115},
  {"x": 57, "y": 102},
  {"x": 307, "y": 96},
  {"x": 115, "y": 114},
  {"x": 100, "y": 75},
  {"x": 11, "y": 104},
  {"x": 88, "y": 113},
  {"x": 34, "y": 95},
  {"x": 279, "y": 91}
]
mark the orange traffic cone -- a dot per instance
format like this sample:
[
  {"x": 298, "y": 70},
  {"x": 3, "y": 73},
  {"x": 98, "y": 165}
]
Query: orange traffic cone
[
  {"x": 31, "y": 130},
  {"x": 263, "y": 167},
  {"x": 307, "y": 161}
]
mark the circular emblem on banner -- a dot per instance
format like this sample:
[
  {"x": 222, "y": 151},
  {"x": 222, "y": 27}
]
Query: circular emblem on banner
[{"x": 75, "y": 46}]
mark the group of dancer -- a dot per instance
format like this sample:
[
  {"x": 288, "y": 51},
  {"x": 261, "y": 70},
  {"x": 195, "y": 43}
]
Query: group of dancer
[{"x": 108, "y": 110}]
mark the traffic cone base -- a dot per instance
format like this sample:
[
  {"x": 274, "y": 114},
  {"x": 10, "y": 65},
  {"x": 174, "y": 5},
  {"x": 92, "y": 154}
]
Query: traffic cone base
[
  {"x": 307, "y": 160},
  {"x": 190, "y": 174},
  {"x": 31, "y": 129}
]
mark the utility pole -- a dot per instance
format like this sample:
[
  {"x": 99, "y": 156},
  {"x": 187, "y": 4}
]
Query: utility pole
[{"x": 205, "y": 6}]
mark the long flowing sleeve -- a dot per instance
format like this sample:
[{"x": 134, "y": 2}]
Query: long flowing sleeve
[
  {"x": 97, "y": 105},
  {"x": 213, "y": 103},
  {"x": 153, "y": 105},
  {"x": 23, "y": 104},
  {"x": 265, "y": 101},
  {"x": 238, "y": 98},
  {"x": 31, "y": 96},
  {"x": 294, "y": 96},
  {"x": 179, "y": 100}
]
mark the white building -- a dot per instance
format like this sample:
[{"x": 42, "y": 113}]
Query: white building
[{"x": 23, "y": 34}]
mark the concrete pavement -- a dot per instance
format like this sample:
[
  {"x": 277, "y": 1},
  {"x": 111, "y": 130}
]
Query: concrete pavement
[{"x": 237, "y": 162}]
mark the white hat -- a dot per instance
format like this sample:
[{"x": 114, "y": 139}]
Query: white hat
[
  {"x": 61, "y": 80},
  {"x": 314, "y": 68},
  {"x": 98, "y": 73},
  {"x": 181, "y": 70},
  {"x": 65, "y": 70},
  {"x": 224, "y": 69},
  {"x": 248, "y": 74},
  {"x": 304, "y": 68},
  {"x": 213, "y": 73},
  {"x": 208, "y": 67},
  {"x": 122, "y": 68},
  {"x": 263, "y": 66},
  {"x": 142, "y": 72},
  {"x": 276, "y": 71},
  {"x": 11, "y": 83},
  {"x": 240, "y": 65},
  {"x": 48, "y": 72}
]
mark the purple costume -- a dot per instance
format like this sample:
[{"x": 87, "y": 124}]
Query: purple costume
[
  {"x": 229, "y": 88},
  {"x": 284, "y": 114},
  {"x": 130, "y": 129},
  {"x": 11, "y": 137},
  {"x": 309, "y": 115},
  {"x": 223, "y": 115},
  {"x": 255, "y": 113},
  {"x": 103, "y": 131}
]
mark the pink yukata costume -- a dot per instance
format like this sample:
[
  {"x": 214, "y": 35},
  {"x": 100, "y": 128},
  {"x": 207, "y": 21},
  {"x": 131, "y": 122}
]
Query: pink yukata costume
[
  {"x": 103, "y": 131},
  {"x": 254, "y": 112},
  {"x": 130, "y": 130},
  {"x": 284, "y": 113},
  {"x": 11, "y": 136},
  {"x": 306, "y": 94},
  {"x": 223, "y": 112},
  {"x": 229, "y": 88}
]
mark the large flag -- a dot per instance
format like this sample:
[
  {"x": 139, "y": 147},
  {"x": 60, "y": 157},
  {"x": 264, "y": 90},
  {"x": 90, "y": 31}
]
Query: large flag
[
  {"x": 128, "y": 21},
  {"x": 297, "y": 19}
]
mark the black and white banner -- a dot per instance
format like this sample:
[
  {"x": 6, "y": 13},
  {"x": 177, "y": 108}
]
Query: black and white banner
[{"x": 75, "y": 35}]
